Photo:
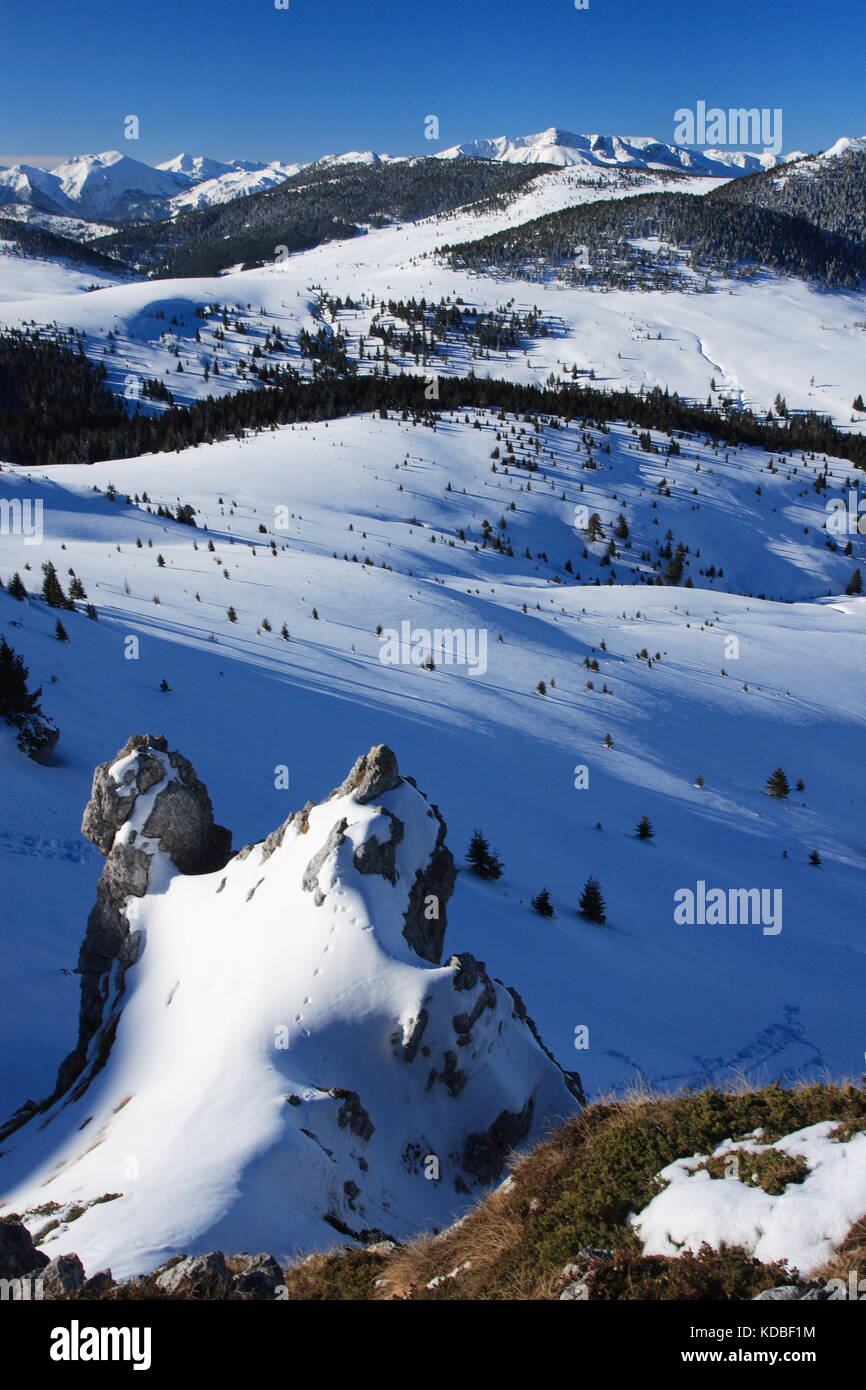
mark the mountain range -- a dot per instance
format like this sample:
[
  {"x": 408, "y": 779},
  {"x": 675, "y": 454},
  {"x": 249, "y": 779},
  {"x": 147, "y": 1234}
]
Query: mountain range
[{"x": 117, "y": 188}]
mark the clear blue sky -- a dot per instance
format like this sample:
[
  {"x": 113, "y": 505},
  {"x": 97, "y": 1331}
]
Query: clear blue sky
[{"x": 246, "y": 80}]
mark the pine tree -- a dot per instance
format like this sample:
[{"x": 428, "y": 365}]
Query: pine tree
[
  {"x": 60, "y": 632},
  {"x": 644, "y": 828},
  {"x": 52, "y": 589},
  {"x": 608, "y": 741},
  {"x": 542, "y": 904},
  {"x": 15, "y": 588},
  {"x": 482, "y": 860},
  {"x": 541, "y": 688},
  {"x": 815, "y": 858},
  {"x": 15, "y": 698},
  {"x": 855, "y": 583},
  {"x": 777, "y": 785},
  {"x": 164, "y": 685},
  {"x": 592, "y": 905},
  {"x": 284, "y": 633},
  {"x": 231, "y": 615},
  {"x": 76, "y": 588}
]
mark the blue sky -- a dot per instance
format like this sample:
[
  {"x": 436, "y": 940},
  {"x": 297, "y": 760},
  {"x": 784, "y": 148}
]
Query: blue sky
[{"x": 247, "y": 80}]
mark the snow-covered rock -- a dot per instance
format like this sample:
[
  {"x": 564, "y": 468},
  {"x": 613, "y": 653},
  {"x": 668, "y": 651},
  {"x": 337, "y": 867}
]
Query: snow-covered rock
[{"x": 267, "y": 1057}]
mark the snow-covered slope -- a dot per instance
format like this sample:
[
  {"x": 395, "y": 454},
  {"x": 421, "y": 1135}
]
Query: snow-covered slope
[
  {"x": 561, "y": 147},
  {"x": 488, "y": 749},
  {"x": 754, "y": 339},
  {"x": 271, "y": 1061}
]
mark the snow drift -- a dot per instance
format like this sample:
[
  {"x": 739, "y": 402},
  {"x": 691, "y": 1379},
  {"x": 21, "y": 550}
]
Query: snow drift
[{"x": 270, "y": 1055}]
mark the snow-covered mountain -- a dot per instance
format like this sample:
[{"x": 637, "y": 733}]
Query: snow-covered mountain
[
  {"x": 561, "y": 147},
  {"x": 273, "y": 1037},
  {"x": 110, "y": 185},
  {"x": 114, "y": 186}
]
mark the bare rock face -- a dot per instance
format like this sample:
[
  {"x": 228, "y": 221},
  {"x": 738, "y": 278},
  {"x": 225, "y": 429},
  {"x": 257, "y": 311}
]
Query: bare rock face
[
  {"x": 180, "y": 817},
  {"x": 18, "y": 1254},
  {"x": 144, "y": 802},
  {"x": 372, "y": 775}
]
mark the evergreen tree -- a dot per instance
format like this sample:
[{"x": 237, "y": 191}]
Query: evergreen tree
[
  {"x": 542, "y": 904},
  {"x": 15, "y": 698},
  {"x": 777, "y": 785},
  {"x": 644, "y": 828},
  {"x": 60, "y": 632},
  {"x": 231, "y": 615},
  {"x": 592, "y": 905},
  {"x": 15, "y": 588},
  {"x": 482, "y": 860},
  {"x": 815, "y": 858},
  {"x": 76, "y": 588},
  {"x": 52, "y": 590},
  {"x": 855, "y": 583},
  {"x": 164, "y": 685}
]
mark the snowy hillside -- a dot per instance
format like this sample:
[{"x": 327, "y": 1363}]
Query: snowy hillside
[
  {"x": 783, "y": 693},
  {"x": 754, "y": 339}
]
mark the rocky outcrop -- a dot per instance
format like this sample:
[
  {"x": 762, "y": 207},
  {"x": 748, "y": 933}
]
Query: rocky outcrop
[
  {"x": 37, "y": 736},
  {"x": 18, "y": 1255},
  {"x": 147, "y": 801},
  {"x": 406, "y": 1087},
  {"x": 372, "y": 775}
]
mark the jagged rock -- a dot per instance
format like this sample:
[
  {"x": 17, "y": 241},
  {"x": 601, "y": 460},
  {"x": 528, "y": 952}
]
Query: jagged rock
[
  {"x": 372, "y": 775},
  {"x": 257, "y": 1277},
  {"x": 18, "y": 1254},
  {"x": 37, "y": 736},
  {"x": 376, "y": 856},
  {"x": 179, "y": 822},
  {"x": 311, "y": 873},
  {"x": 434, "y": 884},
  {"x": 381, "y": 1247},
  {"x": 61, "y": 1276},
  {"x": 353, "y": 1114},
  {"x": 100, "y": 1282},
  {"x": 470, "y": 974},
  {"x": 197, "y": 1276},
  {"x": 484, "y": 1154},
  {"x": 411, "y": 1040},
  {"x": 180, "y": 818}
]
